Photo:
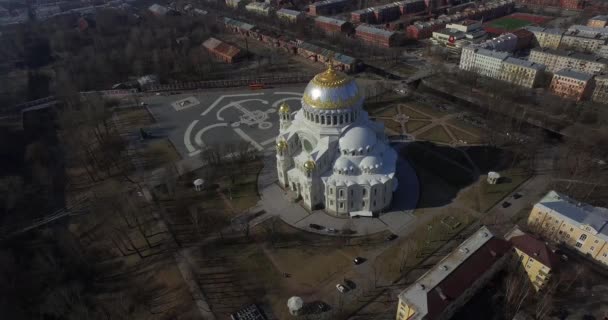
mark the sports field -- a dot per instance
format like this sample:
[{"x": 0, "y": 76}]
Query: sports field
[
  {"x": 509, "y": 24},
  {"x": 513, "y": 22}
]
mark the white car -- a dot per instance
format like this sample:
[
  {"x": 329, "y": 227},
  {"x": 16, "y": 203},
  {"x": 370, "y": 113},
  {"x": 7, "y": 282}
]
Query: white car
[{"x": 341, "y": 288}]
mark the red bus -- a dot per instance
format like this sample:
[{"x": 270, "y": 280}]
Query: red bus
[{"x": 256, "y": 86}]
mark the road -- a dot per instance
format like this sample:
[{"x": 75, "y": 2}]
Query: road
[{"x": 384, "y": 304}]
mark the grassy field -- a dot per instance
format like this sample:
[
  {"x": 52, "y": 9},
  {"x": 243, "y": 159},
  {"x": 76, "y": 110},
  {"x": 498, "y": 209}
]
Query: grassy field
[
  {"x": 509, "y": 23},
  {"x": 413, "y": 125},
  {"x": 436, "y": 134},
  {"x": 392, "y": 125},
  {"x": 464, "y": 136},
  {"x": 412, "y": 113},
  {"x": 483, "y": 196}
]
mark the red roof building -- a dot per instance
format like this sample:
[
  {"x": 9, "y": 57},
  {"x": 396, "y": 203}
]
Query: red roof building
[
  {"x": 455, "y": 279},
  {"x": 331, "y": 25},
  {"x": 222, "y": 51},
  {"x": 537, "y": 249}
]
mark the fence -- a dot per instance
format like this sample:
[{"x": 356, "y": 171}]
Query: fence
[{"x": 272, "y": 80}]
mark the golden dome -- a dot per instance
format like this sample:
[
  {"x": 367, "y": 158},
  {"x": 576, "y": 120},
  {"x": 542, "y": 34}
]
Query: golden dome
[
  {"x": 309, "y": 165},
  {"x": 330, "y": 78},
  {"x": 284, "y": 108},
  {"x": 332, "y": 89},
  {"x": 281, "y": 145}
]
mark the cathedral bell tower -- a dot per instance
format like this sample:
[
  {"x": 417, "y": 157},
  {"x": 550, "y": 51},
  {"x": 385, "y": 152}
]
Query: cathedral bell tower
[
  {"x": 283, "y": 162},
  {"x": 284, "y": 116}
]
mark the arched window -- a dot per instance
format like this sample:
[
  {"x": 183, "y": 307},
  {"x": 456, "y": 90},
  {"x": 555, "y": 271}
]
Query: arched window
[
  {"x": 583, "y": 237},
  {"x": 341, "y": 193}
]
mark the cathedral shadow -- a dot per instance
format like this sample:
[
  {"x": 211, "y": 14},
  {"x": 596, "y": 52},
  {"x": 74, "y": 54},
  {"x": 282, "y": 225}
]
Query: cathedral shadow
[{"x": 442, "y": 171}]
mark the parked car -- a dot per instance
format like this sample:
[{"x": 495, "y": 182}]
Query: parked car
[
  {"x": 517, "y": 195},
  {"x": 506, "y": 204},
  {"x": 341, "y": 288},
  {"x": 332, "y": 230},
  {"x": 316, "y": 226},
  {"x": 391, "y": 237},
  {"x": 358, "y": 260}
]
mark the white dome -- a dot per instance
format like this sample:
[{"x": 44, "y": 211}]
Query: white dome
[
  {"x": 370, "y": 163},
  {"x": 343, "y": 163},
  {"x": 358, "y": 138},
  {"x": 295, "y": 303}
]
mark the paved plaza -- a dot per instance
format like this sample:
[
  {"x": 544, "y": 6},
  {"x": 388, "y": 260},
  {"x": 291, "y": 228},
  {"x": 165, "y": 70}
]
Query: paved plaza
[{"x": 197, "y": 119}]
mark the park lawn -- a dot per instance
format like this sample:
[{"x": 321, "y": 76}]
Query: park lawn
[
  {"x": 394, "y": 126},
  {"x": 386, "y": 112},
  {"x": 422, "y": 243},
  {"x": 459, "y": 124},
  {"x": 426, "y": 108},
  {"x": 494, "y": 193},
  {"x": 413, "y": 125},
  {"x": 413, "y": 113},
  {"x": 509, "y": 24},
  {"x": 327, "y": 262},
  {"x": 483, "y": 196},
  {"x": 464, "y": 136},
  {"x": 243, "y": 194},
  {"x": 436, "y": 134},
  {"x": 135, "y": 117},
  {"x": 159, "y": 152}
]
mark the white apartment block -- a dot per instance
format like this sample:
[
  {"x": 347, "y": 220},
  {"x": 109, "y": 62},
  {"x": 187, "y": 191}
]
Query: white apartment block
[
  {"x": 521, "y": 72},
  {"x": 600, "y": 93},
  {"x": 501, "y": 66},
  {"x": 557, "y": 60}
]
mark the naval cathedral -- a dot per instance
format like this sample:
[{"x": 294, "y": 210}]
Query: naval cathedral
[{"x": 331, "y": 154}]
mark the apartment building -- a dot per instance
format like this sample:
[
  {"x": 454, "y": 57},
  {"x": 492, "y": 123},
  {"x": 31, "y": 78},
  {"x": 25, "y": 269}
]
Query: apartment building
[
  {"x": 572, "y": 84},
  {"x": 547, "y": 37},
  {"x": 521, "y": 72},
  {"x": 579, "y": 40},
  {"x": 331, "y": 25},
  {"x": 489, "y": 63},
  {"x": 375, "y": 36},
  {"x": 598, "y": 22},
  {"x": 556, "y": 60},
  {"x": 600, "y": 91},
  {"x": 290, "y": 15},
  {"x": 533, "y": 256},
  {"x": 327, "y": 7},
  {"x": 261, "y": 8},
  {"x": 454, "y": 280},
  {"x": 578, "y": 225}
]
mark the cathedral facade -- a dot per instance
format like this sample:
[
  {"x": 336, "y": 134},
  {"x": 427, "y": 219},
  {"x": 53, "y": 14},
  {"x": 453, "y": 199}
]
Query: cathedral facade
[{"x": 331, "y": 154}]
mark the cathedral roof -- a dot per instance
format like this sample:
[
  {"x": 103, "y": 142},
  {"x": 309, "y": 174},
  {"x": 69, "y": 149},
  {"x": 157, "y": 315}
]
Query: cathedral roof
[
  {"x": 332, "y": 89},
  {"x": 359, "y": 137}
]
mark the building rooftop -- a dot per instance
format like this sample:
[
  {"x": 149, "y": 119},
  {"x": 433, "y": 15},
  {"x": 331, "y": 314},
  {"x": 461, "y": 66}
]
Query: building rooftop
[
  {"x": 533, "y": 247},
  {"x": 494, "y": 54},
  {"x": 450, "y": 32},
  {"x": 580, "y": 214},
  {"x": 555, "y": 31},
  {"x": 372, "y": 30},
  {"x": 221, "y": 47},
  {"x": 289, "y": 12},
  {"x": 258, "y": 6},
  {"x": 327, "y": 2},
  {"x": 239, "y": 24},
  {"x": 589, "y": 30},
  {"x": 525, "y": 63},
  {"x": 449, "y": 278},
  {"x": 158, "y": 9},
  {"x": 330, "y": 20},
  {"x": 569, "y": 73},
  {"x": 601, "y": 18},
  {"x": 342, "y": 58}
]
